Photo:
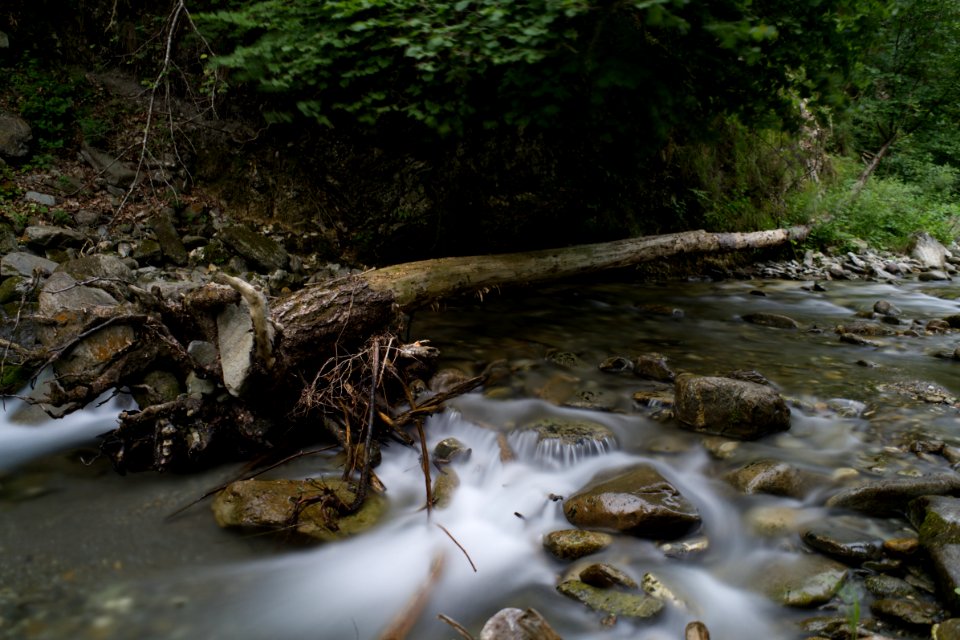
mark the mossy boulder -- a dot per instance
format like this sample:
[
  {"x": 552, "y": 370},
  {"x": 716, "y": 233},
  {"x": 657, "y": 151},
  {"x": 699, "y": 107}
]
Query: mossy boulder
[{"x": 279, "y": 505}]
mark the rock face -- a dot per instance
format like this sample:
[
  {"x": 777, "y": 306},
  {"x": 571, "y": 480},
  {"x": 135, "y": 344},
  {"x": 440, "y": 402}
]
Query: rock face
[
  {"x": 928, "y": 251},
  {"x": 272, "y": 504},
  {"x": 727, "y": 407},
  {"x": 638, "y": 501}
]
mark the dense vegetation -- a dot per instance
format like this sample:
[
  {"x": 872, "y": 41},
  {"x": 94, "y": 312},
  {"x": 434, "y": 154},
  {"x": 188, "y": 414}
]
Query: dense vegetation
[{"x": 555, "y": 121}]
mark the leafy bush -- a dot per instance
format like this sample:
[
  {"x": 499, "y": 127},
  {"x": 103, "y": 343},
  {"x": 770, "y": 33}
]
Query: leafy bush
[{"x": 885, "y": 214}]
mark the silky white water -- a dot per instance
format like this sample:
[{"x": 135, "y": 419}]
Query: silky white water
[{"x": 96, "y": 555}]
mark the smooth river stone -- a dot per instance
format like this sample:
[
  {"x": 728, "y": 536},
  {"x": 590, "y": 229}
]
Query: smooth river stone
[
  {"x": 891, "y": 496},
  {"x": 638, "y": 501},
  {"x": 728, "y": 407},
  {"x": 570, "y": 544},
  {"x": 801, "y": 580}
]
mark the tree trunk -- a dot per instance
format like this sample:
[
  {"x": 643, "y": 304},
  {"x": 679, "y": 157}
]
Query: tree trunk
[
  {"x": 324, "y": 357},
  {"x": 356, "y": 306},
  {"x": 872, "y": 166}
]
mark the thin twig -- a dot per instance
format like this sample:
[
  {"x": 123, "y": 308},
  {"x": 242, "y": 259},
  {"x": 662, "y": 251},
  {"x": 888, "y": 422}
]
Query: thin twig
[
  {"x": 425, "y": 465},
  {"x": 460, "y": 546},
  {"x": 456, "y": 626}
]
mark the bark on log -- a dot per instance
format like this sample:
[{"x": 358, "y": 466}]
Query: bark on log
[{"x": 356, "y": 306}]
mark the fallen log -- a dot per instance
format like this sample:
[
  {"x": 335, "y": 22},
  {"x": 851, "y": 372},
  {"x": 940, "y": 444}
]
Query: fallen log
[{"x": 325, "y": 355}]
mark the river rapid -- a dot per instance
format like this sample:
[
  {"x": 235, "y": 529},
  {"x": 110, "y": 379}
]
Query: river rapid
[{"x": 88, "y": 554}]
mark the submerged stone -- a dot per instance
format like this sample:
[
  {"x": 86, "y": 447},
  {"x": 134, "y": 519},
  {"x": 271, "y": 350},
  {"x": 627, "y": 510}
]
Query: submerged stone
[
  {"x": 841, "y": 540},
  {"x": 620, "y": 603},
  {"x": 653, "y": 366},
  {"x": 774, "y": 320},
  {"x": 638, "y": 501},
  {"x": 907, "y": 612},
  {"x": 802, "y": 580},
  {"x": 773, "y": 477},
  {"x": 273, "y": 504}
]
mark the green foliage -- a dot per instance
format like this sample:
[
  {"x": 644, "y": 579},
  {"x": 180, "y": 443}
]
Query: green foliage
[
  {"x": 886, "y": 213},
  {"x": 741, "y": 178},
  {"x": 632, "y": 65},
  {"x": 47, "y": 99}
]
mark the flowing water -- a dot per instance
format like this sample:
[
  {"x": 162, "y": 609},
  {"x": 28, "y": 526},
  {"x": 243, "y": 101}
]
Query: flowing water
[{"x": 87, "y": 554}]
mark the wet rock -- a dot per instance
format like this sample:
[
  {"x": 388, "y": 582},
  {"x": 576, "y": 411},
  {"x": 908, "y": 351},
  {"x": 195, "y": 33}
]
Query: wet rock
[
  {"x": 273, "y": 504},
  {"x": 732, "y": 408},
  {"x": 886, "y": 586},
  {"x": 654, "y": 398},
  {"x": 852, "y": 338},
  {"x": 446, "y": 379},
  {"x": 929, "y": 392},
  {"x": 605, "y": 576},
  {"x": 15, "y": 136},
  {"x": 661, "y": 310},
  {"x": 24, "y": 264},
  {"x": 565, "y": 359},
  {"x": 450, "y": 449},
  {"x": 514, "y": 624},
  {"x": 571, "y": 544},
  {"x": 619, "y": 603},
  {"x": 570, "y": 432},
  {"x": 773, "y": 477},
  {"x": 802, "y": 580},
  {"x": 749, "y": 375},
  {"x": 258, "y": 249},
  {"x": 696, "y": 630},
  {"x": 864, "y": 329},
  {"x": 616, "y": 364},
  {"x": 839, "y": 539},
  {"x": 928, "y": 251},
  {"x": 774, "y": 320},
  {"x": 595, "y": 399},
  {"x": 886, "y": 308},
  {"x": 937, "y": 519},
  {"x": 906, "y": 612},
  {"x": 891, "y": 496},
  {"x": 947, "y": 630},
  {"x": 653, "y": 366},
  {"x": 934, "y": 275},
  {"x": 638, "y": 501}
]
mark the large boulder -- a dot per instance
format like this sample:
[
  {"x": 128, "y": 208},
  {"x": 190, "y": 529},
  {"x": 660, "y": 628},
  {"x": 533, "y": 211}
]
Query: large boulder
[
  {"x": 15, "y": 136},
  {"x": 728, "y": 407},
  {"x": 638, "y": 501},
  {"x": 937, "y": 519},
  {"x": 279, "y": 505}
]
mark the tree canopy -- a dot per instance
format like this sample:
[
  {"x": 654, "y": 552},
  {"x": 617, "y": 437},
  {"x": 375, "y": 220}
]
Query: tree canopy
[{"x": 646, "y": 66}]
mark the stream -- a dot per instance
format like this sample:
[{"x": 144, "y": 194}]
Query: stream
[{"x": 89, "y": 554}]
